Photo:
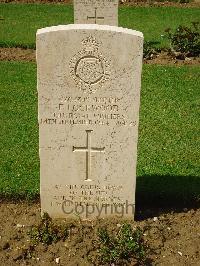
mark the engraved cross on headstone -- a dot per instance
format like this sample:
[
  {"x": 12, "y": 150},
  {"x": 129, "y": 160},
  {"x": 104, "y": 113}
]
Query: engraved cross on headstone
[
  {"x": 95, "y": 16},
  {"x": 88, "y": 149}
]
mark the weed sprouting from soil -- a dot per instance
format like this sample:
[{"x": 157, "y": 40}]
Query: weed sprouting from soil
[
  {"x": 47, "y": 232},
  {"x": 128, "y": 243},
  {"x": 150, "y": 50},
  {"x": 100, "y": 243}
]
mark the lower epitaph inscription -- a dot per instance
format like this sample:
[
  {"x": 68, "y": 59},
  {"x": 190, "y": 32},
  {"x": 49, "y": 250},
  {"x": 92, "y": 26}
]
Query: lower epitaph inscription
[{"x": 89, "y": 95}]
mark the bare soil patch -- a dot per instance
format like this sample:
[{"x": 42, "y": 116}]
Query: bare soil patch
[
  {"x": 148, "y": 3},
  {"x": 173, "y": 238},
  {"x": 163, "y": 58},
  {"x": 17, "y": 54}
]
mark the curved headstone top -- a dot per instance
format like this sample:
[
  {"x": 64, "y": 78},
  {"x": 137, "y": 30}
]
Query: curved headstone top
[
  {"x": 89, "y": 27},
  {"x": 88, "y": 79}
]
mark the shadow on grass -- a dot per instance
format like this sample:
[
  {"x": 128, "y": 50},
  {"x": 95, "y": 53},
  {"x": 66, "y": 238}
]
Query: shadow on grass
[{"x": 163, "y": 194}]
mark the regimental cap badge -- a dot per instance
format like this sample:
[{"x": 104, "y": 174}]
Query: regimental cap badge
[
  {"x": 90, "y": 44},
  {"x": 89, "y": 68}
]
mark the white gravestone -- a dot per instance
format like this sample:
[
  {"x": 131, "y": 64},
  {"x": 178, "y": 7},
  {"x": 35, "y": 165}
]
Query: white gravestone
[
  {"x": 96, "y": 12},
  {"x": 89, "y": 80}
]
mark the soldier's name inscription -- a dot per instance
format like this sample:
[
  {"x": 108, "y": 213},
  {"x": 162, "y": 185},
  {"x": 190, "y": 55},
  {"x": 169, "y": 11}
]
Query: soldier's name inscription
[{"x": 89, "y": 111}]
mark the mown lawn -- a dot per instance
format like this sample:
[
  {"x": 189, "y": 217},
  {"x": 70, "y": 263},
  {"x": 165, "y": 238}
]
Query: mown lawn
[
  {"x": 168, "y": 161},
  {"x": 19, "y": 167},
  {"x": 19, "y": 22}
]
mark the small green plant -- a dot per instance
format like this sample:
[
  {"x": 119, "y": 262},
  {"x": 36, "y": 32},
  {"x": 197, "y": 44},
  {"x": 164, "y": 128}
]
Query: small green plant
[
  {"x": 47, "y": 232},
  {"x": 127, "y": 244},
  {"x": 185, "y": 40},
  {"x": 149, "y": 50}
]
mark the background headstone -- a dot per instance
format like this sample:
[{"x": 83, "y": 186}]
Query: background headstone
[
  {"x": 96, "y": 12},
  {"x": 89, "y": 93}
]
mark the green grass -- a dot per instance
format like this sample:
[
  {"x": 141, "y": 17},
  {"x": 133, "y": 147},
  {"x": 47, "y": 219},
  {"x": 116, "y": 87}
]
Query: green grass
[
  {"x": 169, "y": 121},
  {"x": 153, "y": 21},
  {"x": 19, "y": 168},
  {"x": 169, "y": 144},
  {"x": 168, "y": 161},
  {"x": 19, "y": 22}
]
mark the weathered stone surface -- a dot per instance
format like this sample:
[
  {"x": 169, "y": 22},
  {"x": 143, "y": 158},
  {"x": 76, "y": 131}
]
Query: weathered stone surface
[
  {"x": 96, "y": 12},
  {"x": 89, "y": 93}
]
